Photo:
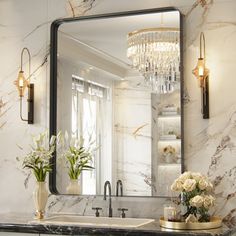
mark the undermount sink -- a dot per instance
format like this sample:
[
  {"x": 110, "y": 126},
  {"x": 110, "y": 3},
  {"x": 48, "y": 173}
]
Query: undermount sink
[{"x": 93, "y": 221}]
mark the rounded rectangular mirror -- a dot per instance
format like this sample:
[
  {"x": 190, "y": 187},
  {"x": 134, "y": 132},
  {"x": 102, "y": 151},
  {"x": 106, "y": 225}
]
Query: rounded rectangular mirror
[{"x": 116, "y": 84}]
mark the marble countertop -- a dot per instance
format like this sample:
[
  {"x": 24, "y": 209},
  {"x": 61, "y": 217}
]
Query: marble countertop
[{"x": 19, "y": 223}]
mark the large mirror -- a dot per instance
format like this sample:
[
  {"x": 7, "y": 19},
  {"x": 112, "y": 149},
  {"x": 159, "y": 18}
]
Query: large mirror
[{"x": 116, "y": 90}]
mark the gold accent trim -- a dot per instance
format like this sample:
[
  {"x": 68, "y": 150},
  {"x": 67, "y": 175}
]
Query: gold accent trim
[
  {"x": 152, "y": 29},
  {"x": 39, "y": 215},
  {"x": 215, "y": 222}
]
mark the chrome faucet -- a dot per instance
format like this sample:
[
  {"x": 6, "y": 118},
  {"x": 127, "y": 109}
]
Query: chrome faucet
[
  {"x": 107, "y": 183},
  {"x": 119, "y": 183}
]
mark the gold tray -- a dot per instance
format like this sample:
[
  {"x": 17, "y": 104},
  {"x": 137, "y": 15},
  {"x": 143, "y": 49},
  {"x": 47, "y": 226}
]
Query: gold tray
[{"x": 215, "y": 222}]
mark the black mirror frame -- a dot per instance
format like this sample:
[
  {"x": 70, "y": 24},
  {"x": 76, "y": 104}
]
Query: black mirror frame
[{"x": 53, "y": 78}]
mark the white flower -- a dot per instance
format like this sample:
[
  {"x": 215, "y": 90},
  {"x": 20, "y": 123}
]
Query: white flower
[
  {"x": 52, "y": 140},
  {"x": 196, "y": 175},
  {"x": 208, "y": 201},
  {"x": 177, "y": 186},
  {"x": 197, "y": 201},
  {"x": 189, "y": 185},
  {"x": 209, "y": 187},
  {"x": 73, "y": 142},
  {"x": 203, "y": 183},
  {"x": 184, "y": 176},
  {"x": 66, "y": 136},
  {"x": 191, "y": 219},
  {"x": 37, "y": 141}
]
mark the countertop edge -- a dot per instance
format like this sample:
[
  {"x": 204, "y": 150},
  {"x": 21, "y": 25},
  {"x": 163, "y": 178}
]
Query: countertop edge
[{"x": 81, "y": 230}]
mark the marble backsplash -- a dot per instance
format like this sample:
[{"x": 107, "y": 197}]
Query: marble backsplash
[{"x": 209, "y": 144}]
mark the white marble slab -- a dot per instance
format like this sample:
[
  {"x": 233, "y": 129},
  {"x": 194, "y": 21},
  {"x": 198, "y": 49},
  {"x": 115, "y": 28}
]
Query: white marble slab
[{"x": 209, "y": 144}]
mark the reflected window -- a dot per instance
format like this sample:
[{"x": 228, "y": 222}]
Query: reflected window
[{"x": 89, "y": 104}]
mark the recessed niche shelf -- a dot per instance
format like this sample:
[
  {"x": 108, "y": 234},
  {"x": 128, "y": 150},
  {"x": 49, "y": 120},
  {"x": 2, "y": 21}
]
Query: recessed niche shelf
[
  {"x": 168, "y": 116},
  {"x": 169, "y": 164},
  {"x": 169, "y": 140}
]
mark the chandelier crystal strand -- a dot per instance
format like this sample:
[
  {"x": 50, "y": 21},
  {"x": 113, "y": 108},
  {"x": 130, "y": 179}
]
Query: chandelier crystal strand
[{"x": 155, "y": 54}]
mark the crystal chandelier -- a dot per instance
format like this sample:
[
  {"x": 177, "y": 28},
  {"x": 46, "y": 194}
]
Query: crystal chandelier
[{"x": 155, "y": 54}]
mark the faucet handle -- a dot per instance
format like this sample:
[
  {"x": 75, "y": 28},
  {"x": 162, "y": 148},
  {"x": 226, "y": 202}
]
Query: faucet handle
[
  {"x": 97, "y": 210},
  {"x": 123, "y": 211}
]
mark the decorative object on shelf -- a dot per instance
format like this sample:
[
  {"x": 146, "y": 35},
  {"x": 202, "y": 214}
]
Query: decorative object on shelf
[
  {"x": 169, "y": 110},
  {"x": 38, "y": 161},
  {"x": 172, "y": 132},
  {"x": 22, "y": 83},
  {"x": 79, "y": 158},
  {"x": 154, "y": 52},
  {"x": 178, "y": 136},
  {"x": 171, "y": 135},
  {"x": 169, "y": 154},
  {"x": 202, "y": 74},
  {"x": 170, "y": 107}
]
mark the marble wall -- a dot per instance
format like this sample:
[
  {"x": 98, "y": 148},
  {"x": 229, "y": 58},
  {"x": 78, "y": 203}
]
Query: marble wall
[
  {"x": 132, "y": 155},
  {"x": 209, "y": 144}
]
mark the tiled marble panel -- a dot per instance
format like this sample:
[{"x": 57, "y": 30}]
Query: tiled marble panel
[{"x": 132, "y": 99}]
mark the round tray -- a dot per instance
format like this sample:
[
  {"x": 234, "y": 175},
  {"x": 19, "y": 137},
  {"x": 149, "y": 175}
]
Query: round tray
[{"x": 215, "y": 222}]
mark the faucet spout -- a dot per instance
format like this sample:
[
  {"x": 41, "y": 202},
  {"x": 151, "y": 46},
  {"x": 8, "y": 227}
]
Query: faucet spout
[
  {"x": 108, "y": 184},
  {"x": 119, "y": 183}
]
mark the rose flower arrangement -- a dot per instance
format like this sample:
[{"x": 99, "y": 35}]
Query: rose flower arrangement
[{"x": 195, "y": 191}]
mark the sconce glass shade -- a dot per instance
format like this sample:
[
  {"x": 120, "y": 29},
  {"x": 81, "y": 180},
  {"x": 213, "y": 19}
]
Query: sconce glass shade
[
  {"x": 21, "y": 83},
  {"x": 200, "y": 71},
  {"x": 202, "y": 75}
]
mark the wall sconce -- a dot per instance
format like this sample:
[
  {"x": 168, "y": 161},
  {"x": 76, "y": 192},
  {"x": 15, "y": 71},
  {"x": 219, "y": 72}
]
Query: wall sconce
[
  {"x": 22, "y": 83},
  {"x": 202, "y": 74}
]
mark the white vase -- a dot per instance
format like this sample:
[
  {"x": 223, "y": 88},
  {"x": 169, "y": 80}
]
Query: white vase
[
  {"x": 169, "y": 158},
  {"x": 73, "y": 187},
  {"x": 40, "y": 196}
]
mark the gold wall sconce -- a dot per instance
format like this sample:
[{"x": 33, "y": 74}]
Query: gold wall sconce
[
  {"x": 202, "y": 74},
  {"x": 22, "y": 83}
]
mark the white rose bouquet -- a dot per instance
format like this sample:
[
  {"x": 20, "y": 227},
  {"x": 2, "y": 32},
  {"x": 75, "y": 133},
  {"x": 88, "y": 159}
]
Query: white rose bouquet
[{"x": 195, "y": 191}]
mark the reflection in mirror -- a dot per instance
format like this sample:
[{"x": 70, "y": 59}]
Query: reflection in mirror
[{"x": 119, "y": 89}]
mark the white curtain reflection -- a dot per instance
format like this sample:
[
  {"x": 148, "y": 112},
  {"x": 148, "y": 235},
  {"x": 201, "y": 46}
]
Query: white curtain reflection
[{"x": 89, "y": 106}]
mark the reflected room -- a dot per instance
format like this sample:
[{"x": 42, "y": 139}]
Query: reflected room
[{"x": 119, "y": 89}]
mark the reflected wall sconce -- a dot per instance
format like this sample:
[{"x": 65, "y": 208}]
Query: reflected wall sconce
[
  {"x": 202, "y": 74},
  {"x": 22, "y": 83}
]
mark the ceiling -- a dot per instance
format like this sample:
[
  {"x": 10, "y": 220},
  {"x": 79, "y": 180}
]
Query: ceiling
[{"x": 109, "y": 35}]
